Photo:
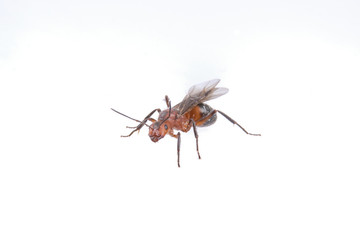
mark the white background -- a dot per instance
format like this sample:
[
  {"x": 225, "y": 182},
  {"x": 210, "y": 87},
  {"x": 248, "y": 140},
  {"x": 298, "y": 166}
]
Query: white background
[{"x": 292, "y": 68}]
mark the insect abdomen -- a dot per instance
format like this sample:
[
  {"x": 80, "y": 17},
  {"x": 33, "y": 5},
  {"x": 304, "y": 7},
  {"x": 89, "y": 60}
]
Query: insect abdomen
[{"x": 205, "y": 110}]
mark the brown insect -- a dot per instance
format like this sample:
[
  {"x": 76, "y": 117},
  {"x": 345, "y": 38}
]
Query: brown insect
[{"x": 190, "y": 112}]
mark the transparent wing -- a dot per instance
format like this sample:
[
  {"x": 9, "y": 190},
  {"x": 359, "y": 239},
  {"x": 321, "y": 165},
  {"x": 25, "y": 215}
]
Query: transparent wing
[{"x": 198, "y": 93}]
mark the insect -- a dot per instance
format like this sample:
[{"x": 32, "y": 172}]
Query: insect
[{"x": 190, "y": 112}]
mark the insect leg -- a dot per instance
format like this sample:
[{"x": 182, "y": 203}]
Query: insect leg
[
  {"x": 178, "y": 148},
  {"x": 196, "y": 137},
  {"x": 143, "y": 122},
  {"x": 234, "y": 122}
]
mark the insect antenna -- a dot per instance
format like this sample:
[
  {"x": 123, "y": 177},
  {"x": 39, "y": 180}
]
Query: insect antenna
[
  {"x": 168, "y": 103},
  {"x": 129, "y": 117}
]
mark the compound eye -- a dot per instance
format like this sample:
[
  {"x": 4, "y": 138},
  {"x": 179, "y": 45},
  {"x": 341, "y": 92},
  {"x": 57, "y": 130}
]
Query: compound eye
[{"x": 166, "y": 127}]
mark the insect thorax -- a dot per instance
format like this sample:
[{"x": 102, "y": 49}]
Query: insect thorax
[{"x": 165, "y": 114}]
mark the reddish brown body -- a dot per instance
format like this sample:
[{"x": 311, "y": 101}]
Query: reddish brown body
[
  {"x": 190, "y": 112},
  {"x": 200, "y": 114}
]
